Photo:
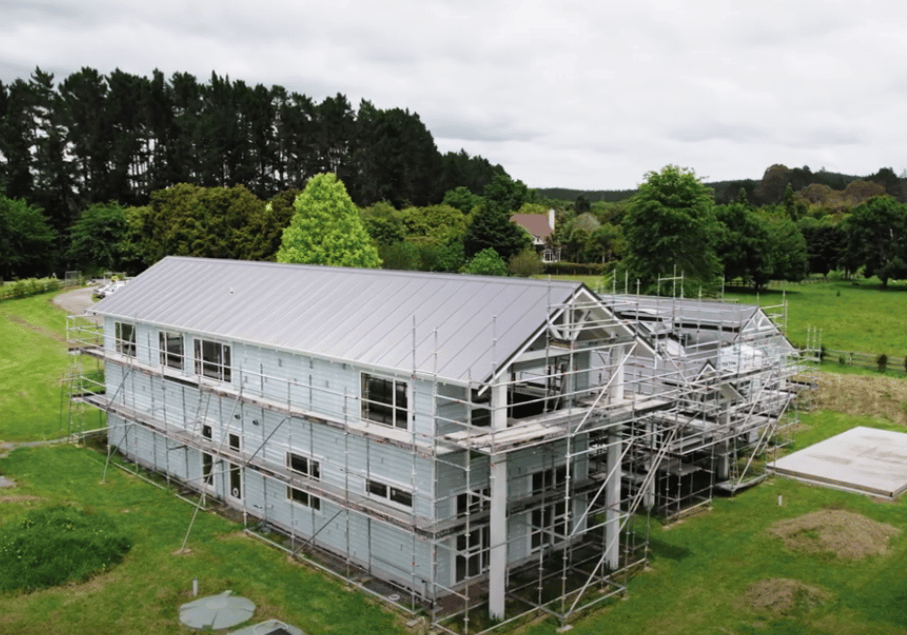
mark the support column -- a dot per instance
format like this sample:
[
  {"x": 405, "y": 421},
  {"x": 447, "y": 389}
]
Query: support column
[
  {"x": 617, "y": 385},
  {"x": 497, "y": 556},
  {"x": 648, "y": 500},
  {"x": 722, "y": 458},
  {"x": 612, "y": 503}
]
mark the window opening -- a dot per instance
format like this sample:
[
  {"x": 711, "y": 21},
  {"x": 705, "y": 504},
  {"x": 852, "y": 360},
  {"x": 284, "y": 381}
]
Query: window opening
[
  {"x": 474, "y": 502},
  {"x": 212, "y": 359},
  {"x": 390, "y": 493},
  {"x": 235, "y": 481},
  {"x": 234, "y": 442},
  {"x": 548, "y": 523},
  {"x": 171, "y": 346},
  {"x": 303, "y": 498},
  {"x": 207, "y": 469},
  {"x": 472, "y": 553},
  {"x": 303, "y": 465},
  {"x": 384, "y": 401},
  {"x": 125, "y": 334}
]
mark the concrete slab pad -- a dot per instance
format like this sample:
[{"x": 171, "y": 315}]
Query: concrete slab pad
[{"x": 863, "y": 460}]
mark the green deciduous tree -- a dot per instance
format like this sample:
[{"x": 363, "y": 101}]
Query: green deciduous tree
[
  {"x": 877, "y": 238},
  {"x": 327, "y": 228},
  {"x": 96, "y": 236},
  {"x": 787, "y": 249},
  {"x": 742, "y": 244},
  {"x": 486, "y": 263},
  {"x": 507, "y": 195},
  {"x": 26, "y": 240},
  {"x": 671, "y": 225},
  {"x": 461, "y": 198},
  {"x": 217, "y": 222}
]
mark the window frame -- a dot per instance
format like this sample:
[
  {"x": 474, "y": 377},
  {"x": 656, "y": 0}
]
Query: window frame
[
  {"x": 391, "y": 494},
  {"x": 383, "y": 406},
  {"x": 236, "y": 481},
  {"x": 309, "y": 501},
  {"x": 471, "y": 553},
  {"x": 168, "y": 357},
  {"x": 213, "y": 359},
  {"x": 311, "y": 469},
  {"x": 125, "y": 345}
]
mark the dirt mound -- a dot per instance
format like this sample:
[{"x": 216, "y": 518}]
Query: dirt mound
[
  {"x": 845, "y": 534},
  {"x": 863, "y": 395},
  {"x": 782, "y": 596}
]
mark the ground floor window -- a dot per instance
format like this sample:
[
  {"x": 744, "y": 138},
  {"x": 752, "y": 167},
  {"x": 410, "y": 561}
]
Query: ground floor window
[
  {"x": 303, "y": 498},
  {"x": 235, "y": 481},
  {"x": 207, "y": 469},
  {"x": 472, "y": 553},
  {"x": 548, "y": 525}
]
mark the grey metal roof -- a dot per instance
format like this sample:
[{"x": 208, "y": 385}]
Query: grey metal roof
[
  {"x": 687, "y": 310},
  {"x": 377, "y": 318}
]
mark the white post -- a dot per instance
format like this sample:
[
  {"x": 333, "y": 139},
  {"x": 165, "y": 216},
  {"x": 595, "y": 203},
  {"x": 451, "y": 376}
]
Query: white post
[
  {"x": 497, "y": 557},
  {"x": 612, "y": 503}
]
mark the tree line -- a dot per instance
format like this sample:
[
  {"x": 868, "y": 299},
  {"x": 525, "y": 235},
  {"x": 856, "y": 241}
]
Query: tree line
[{"x": 93, "y": 138}]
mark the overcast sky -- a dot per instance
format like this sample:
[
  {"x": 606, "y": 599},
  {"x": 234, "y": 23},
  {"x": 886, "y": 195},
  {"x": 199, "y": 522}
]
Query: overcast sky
[{"x": 588, "y": 95}]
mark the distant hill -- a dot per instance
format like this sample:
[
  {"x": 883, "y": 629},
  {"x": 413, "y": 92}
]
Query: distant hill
[
  {"x": 593, "y": 196},
  {"x": 768, "y": 189}
]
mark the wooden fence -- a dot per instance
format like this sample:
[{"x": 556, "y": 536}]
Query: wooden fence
[{"x": 865, "y": 360}]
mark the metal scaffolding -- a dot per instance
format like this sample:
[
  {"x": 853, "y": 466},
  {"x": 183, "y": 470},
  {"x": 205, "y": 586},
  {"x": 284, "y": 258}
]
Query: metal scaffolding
[{"x": 622, "y": 418}]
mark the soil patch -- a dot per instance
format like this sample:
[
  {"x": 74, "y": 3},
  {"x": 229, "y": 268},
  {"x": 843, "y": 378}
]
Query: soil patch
[
  {"x": 845, "y": 534},
  {"x": 783, "y": 596},
  {"x": 863, "y": 395}
]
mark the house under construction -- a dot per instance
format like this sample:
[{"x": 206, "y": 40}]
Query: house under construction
[{"x": 474, "y": 447}]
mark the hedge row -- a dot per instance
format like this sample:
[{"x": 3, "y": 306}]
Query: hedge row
[{"x": 28, "y": 286}]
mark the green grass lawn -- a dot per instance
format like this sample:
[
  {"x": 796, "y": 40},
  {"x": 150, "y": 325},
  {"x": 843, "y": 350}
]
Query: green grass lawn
[
  {"x": 862, "y": 317},
  {"x": 33, "y": 361},
  {"x": 144, "y": 593}
]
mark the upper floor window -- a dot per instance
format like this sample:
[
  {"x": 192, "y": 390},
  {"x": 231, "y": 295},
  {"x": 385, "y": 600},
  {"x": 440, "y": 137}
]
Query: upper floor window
[
  {"x": 125, "y": 334},
  {"x": 398, "y": 496},
  {"x": 384, "y": 401},
  {"x": 171, "y": 347},
  {"x": 212, "y": 359}
]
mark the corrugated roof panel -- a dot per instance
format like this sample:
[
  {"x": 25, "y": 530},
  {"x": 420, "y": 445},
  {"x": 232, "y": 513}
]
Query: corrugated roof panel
[{"x": 355, "y": 315}]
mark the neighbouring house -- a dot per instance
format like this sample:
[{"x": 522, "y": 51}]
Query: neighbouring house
[
  {"x": 461, "y": 439},
  {"x": 540, "y": 227}
]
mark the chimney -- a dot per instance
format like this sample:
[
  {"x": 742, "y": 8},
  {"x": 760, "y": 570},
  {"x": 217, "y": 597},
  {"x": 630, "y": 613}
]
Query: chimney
[{"x": 551, "y": 218}]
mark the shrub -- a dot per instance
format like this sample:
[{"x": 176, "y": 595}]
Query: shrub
[
  {"x": 882, "y": 362},
  {"x": 486, "y": 263},
  {"x": 54, "y": 545},
  {"x": 525, "y": 264}
]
